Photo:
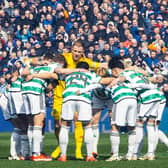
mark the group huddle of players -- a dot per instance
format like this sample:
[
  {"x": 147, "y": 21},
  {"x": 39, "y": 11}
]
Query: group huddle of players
[{"x": 82, "y": 88}]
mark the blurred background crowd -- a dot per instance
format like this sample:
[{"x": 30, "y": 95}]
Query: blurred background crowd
[{"x": 137, "y": 29}]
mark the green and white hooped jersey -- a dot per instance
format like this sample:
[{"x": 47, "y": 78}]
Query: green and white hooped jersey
[
  {"x": 119, "y": 93},
  {"x": 144, "y": 95},
  {"x": 76, "y": 81},
  {"x": 37, "y": 85},
  {"x": 134, "y": 77},
  {"x": 34, "y": 86},
  {"x": 16, "y": 86},
  {"x": 148, "y": 95}
]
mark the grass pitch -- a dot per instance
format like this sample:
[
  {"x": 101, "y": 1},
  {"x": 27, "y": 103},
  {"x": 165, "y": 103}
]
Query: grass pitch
[{"x": 104, "y": 151}]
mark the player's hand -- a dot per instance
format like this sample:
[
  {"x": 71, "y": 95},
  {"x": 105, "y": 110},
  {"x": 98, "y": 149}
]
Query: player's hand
[{"x": 113, "y": 83}]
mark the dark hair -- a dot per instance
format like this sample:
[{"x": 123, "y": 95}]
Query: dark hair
[
  {"x": 83, "y": 65},
  {"x": 115, "y": 63},
  {"x": 48, "y": 56},
  {"x": 12, "y": 69}
]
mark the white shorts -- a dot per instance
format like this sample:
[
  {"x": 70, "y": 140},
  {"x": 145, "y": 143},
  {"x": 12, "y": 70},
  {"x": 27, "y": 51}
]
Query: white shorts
[
  {"x": 148, "y": 110},
  {"x": 83, "y": 109},
  {"x": 160, "y": 110},
  {"x": 100, "y": 104},
  {"x": 124, "y": 113},
  {"x": 34, "y": 104},
  {"x": 4, "y": 105},
  {"x": 16, "y": 103}
]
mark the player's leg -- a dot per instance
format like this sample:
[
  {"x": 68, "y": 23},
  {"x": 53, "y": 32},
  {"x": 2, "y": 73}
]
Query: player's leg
[
  {"x": 38, "y": 121},
  {"x": 24, "y": 143},
  {"x": 56, "y": 113},
  {"x": 115, "y": 136},
  {"x": 29, "y": 116},
  {"x": 95, "y": 128},
  {"x": 78, "y": 138},
  {"x": 115, "y": 142},
  {"x": 151, "y": 130},
  {"x": 19, "y": 107},
  {"x": 13, "y": 118},
  {"x": 85, "y": 115},
  {"x": 131, "y": 121},
  {"x": 37, "y": 132},
  {"x": 15, "y": 135},
  {"x": 67, "y": 116},
  {"x": 142, "y": 110},
  {"x": 163, "y": 138},
  {"x": 159, "y": 134},
  {"x": 15, "y": 141},
  {"x": 64, "y": 139},
  {"x": 151, "y": 134},
  {"x": 150, "y": 111},
  {"x": 138, "y": 138},
  {"x": 97, "y": 106},
  {"x": 37, "y": 106}
]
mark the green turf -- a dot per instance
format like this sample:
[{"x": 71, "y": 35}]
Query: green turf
[{"x": 104, "y": 150}]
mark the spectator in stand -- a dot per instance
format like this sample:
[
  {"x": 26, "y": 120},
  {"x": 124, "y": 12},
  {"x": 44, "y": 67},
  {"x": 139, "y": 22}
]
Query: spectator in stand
[
  {"x": 165, "y": 62},
  {"x": 61, "y": 46},
  {"x": 3, "y": 35},
  {"x": 152, "y": 60},
  {"x": 3, "y": 84},
  {"x": 49, "y": 99}
]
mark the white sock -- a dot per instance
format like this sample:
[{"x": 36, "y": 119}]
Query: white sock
[
  {"x": 131, "y": 142},
  {"x": 115, "y": 142},
  {"x": 138, "y": 139},
  {"x": 42, "y": 143},
  {"x": 64, "y": 139},
  {"x": 24, "y": 145},
  {"x": 95, "y": 129},
  {"x": 163, "y": 138},
  {"x": 151, "y": 138},
  {"x": 15, "y": 142},
  {"x": 30, "y": 139},
  {"x": 156, "y": 137},
  {"x": 88, "y": 139},
  {"x": 37, "y": 137}
]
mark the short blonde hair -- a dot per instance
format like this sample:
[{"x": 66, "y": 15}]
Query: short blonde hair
[{"x": 127, "y": 62}]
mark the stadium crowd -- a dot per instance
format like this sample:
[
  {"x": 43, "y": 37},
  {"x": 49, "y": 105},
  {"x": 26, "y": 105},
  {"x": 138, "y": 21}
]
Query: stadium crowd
[{"x": 33, "y": 31}]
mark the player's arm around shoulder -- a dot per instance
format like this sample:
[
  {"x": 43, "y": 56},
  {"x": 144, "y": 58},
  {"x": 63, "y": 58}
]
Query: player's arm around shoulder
[{"x": 43, "y": 75}]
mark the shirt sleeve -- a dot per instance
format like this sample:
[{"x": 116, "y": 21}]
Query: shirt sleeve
[
  {"x": 92, "y": 64},
  {"x": 90, "y": 87},
  {"x": 140, "y": 85}
]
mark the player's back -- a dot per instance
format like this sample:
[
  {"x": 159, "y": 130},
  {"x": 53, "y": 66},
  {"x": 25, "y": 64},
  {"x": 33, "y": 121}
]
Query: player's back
[{"x": 78, "y": 80}]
